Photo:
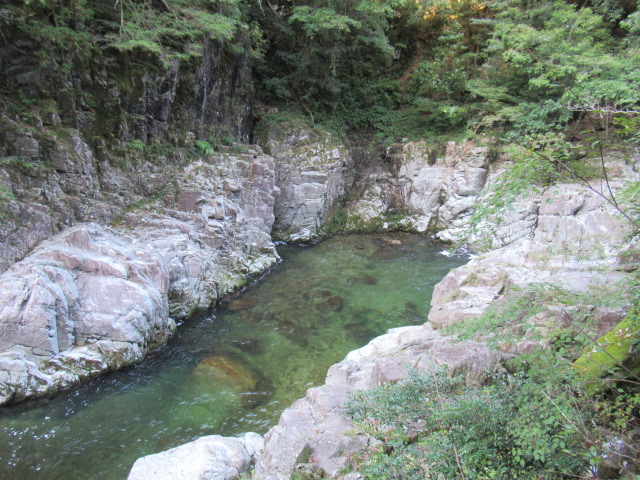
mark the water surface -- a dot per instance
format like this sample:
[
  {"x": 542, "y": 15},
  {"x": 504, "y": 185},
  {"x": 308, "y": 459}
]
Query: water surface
[{"x": 234, "y": 370}]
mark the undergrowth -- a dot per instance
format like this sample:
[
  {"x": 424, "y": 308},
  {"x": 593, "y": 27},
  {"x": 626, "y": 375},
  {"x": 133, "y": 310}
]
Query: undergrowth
[{"x": 540, "y": 418}]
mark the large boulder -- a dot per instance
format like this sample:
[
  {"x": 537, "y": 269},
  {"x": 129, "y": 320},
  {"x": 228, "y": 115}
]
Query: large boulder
[
  {"x": 82, "y": 303},
  {"x": 209, "y": 458}
]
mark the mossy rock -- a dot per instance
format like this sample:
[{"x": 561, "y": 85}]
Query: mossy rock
[{"x": 612, "y": 350}]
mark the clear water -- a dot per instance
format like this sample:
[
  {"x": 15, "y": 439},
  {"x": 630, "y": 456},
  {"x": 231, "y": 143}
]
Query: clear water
[{"x": 279, "y": 335}]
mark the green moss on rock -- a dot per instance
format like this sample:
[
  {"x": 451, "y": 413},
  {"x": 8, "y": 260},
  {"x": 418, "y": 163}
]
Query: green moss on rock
[{"x": 612, "y": 350}]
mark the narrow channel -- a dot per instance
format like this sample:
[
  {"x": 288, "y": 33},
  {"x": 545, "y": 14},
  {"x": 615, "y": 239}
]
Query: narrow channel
[{"x": 234, "y": 370}]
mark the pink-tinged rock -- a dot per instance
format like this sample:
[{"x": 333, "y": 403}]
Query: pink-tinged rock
[{"x": 82, "y": 303}]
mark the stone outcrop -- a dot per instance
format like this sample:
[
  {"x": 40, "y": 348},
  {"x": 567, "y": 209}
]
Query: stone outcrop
[
  {"x": 573, "y": 240},
  {"x": 82, "y": 303},
  {"x": 313, "y": 171},
  {"x": 420, "y": 191},
  {"x": 208, "y": 458},
  {"x": 567, "y": 236},
  {"x": 315, "y": 432},
  {"x": 207, "y": 228},
  {"x": 440, "y": 192},
  {"x": 216, "y": 229}
]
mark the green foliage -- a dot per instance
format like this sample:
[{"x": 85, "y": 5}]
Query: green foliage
[
  {"x": 204, "y": 147},
  {"x": 539, "y": 421},
  {"x": 433, "y": 426},
  {"x": 610, "y": 351},
  {"x": 136, "y": 146}
]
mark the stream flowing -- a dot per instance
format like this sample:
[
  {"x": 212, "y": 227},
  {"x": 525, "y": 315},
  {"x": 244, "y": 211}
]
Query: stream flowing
[{"x": 233, "y": 370}]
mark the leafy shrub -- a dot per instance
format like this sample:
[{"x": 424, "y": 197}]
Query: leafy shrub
[
  {"x": 204, "y": 147},
  {"x": 432, "y": 426}
]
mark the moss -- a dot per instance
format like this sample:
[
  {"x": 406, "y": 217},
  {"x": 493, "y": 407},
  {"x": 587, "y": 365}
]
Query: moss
[{"x": 612, "y": 350}]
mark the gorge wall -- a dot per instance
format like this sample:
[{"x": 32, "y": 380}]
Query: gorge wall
[{"x": 565, "y": 236}]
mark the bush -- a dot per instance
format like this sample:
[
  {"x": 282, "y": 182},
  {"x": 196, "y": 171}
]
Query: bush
[{"x": 431, "y": 426}]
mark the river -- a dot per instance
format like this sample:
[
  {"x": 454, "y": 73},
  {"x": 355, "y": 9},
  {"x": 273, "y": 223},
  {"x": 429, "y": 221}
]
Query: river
[{"x": 285, "y": 329}]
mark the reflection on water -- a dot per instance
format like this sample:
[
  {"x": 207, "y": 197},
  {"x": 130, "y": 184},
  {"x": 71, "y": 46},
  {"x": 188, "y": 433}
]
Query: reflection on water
[{"x": 233, "y": 371}]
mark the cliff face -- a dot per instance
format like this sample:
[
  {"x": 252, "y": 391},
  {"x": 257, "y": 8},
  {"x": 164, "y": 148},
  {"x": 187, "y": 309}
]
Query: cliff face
[
  {"x": 85, "y": 145},
  {"x": 184, "y": 231}
]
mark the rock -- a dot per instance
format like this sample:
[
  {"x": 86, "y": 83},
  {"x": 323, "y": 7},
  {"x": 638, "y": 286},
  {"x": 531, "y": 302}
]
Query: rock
[
  {"x": 231, "y": 373},
  {"x": 212, "y": 251},
  {"x": 369, "y": 212},
  {"x": 209, "y": 458},
  {"x": 369, "y": 280},
  {"x": 242, "y": 304},
  {"x": 82, "y": 303},
  {"x": 315, "y": 431},
  {"x": 336, "y": 303},
  {"x": 313, "y": 172},
  {"x": 360, "y": 332},
  {"x": 221, "y": 368},
  {"x": 438, "y": 193},
  {"x": 294, "y": 332}
]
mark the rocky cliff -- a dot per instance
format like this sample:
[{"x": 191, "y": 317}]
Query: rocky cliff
[
  {"x": 313, "y": 172},
  {"x": 185, "y": 231},
  {"x": 566, "y": 236},
  {"x": 93, "y": 299}
]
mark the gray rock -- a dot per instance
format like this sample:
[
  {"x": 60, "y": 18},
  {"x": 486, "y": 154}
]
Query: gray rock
[
  {"x": 82, "y": 303},
  {"x": 312, "y": 174},
  {"x": 314, "y": 430},
  {"x": 437, "y": 193},
  {"x": 208, "y": 458}
]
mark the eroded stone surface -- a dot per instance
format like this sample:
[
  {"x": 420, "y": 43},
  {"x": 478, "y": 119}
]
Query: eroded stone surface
[
  {"x": 313, "y": 171},
  {"x": 314, "y": 430},
  {"x": 93, "y": 299},
  {"x": 82, "y": 303},
  {"x": 209, "y": 458}
]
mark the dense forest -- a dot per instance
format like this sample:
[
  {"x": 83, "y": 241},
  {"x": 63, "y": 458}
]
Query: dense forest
[
  {"x": 393, "y": 68},
  {"x": 551, "y": 81}
]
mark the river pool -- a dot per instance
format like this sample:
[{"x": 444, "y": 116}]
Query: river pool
[{"x": 279, "y": 336}]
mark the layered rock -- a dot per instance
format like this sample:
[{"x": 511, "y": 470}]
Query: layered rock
[
  {"x": 207, "y": 233},
  {"x": 313, "y": 172},
  {"x": 572, "y": 242},
  {"x": 421, "y": 191},
  {"x": 82, "y": 303},
  {"x": 216, "y": 230},
  {"x": 441, "y": 191},
  {"x": 315, "y": 432}
]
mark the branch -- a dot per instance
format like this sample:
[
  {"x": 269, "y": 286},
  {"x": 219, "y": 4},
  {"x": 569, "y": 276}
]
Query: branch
[{"x": 595, "y": 108}]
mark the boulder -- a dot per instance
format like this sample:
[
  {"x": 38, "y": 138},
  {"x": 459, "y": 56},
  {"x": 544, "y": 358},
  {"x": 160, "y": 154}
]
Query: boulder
[
  {"x": 229, "y": 372},
  {"x": 209, "y": 458}
]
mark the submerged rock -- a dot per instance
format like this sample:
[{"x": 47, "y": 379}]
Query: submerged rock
[
  {"x": 245, "y": 303},
  {"x": 225, "y": 370},
  {"x": 369, "y": 280},
  {"x": 293, "y": 332},
  {"x": 359, "y": 332},
  {"x": 336, "y": 303},
  {"x": 230, "y": 372}
]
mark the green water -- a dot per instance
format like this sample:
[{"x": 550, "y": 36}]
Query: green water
[{"x": 319, "y": 303}]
